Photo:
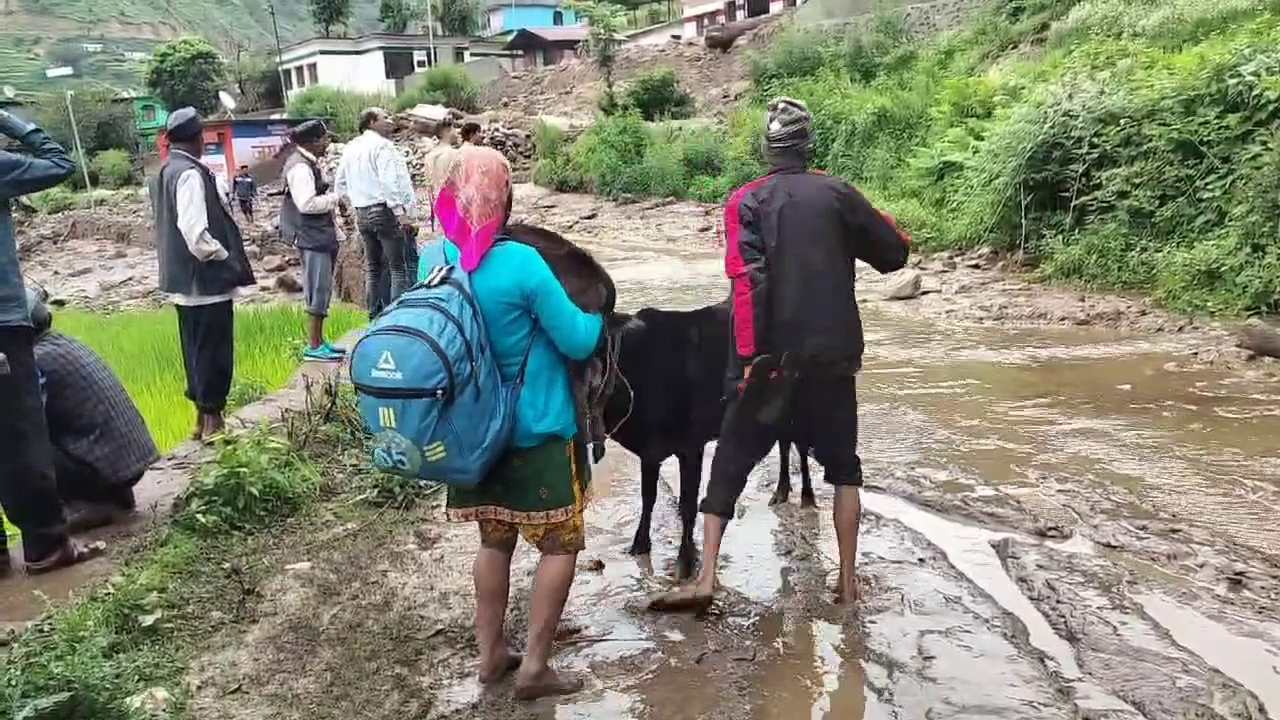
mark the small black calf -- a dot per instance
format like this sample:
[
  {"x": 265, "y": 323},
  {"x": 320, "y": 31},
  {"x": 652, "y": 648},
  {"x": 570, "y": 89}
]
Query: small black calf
[{"x": 670, "y": 401}]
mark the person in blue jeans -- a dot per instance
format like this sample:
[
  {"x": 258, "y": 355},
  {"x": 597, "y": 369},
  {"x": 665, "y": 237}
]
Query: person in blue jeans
[{"x": 538, "y": 490}]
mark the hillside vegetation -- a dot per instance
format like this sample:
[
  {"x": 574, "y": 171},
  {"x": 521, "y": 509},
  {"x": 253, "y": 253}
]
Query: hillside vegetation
[{"x": 1126, "y": 144}]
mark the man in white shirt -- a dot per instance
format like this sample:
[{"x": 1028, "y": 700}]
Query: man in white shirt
[
  {"x": 309, "y": 220},
  {"x": 202, "y": 267},
  {"x": 374, "y": 175}
]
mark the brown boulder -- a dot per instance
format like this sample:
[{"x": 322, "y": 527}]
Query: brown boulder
[{"x": 1258, "y": 337}]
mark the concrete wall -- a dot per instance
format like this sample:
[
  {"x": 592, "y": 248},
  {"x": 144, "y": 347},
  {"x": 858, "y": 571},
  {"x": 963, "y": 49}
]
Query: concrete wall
[
  {"x": 656, "y": 35},
  {"x": 363, "y": 73},
  {"x": 521, "y": 17}
]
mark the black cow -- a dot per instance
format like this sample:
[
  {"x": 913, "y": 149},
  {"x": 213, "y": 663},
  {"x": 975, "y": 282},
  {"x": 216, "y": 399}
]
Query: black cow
[{"x": 669, "y": 401}]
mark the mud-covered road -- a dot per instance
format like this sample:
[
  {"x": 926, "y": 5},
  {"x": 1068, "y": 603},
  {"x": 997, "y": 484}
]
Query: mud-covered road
[
  {"x": 1063, "y": 523},
  {"x": 1071, "y": 514}
]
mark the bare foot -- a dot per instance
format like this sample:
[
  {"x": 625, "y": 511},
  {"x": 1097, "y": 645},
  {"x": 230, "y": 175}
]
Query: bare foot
[
  {"x": 690, "y": 598},
  {"x": 499, "y": 667},
  {"x": 546, "y": 683},
  {"x": 847, "y": 591}
]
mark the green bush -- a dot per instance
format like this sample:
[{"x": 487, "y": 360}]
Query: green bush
[
  {"x": 624, "y": 155},
  {"x": 339, "y": 107},
  {"x": 1125, "y": 143},
  {"x": 447, "y": 85},
  {"x": 114, "y": 169},
  {"x": 657, "y": 94},
  {"x": 55, "y": 200}
]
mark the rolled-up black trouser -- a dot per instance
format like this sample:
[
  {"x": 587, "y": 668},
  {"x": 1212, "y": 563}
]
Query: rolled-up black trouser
[
  {"x": 207, "y": 333},
  {"x": 387, "y": 254},
  {"x": 28, "y": 488},
  {"x": 822, "y": 413}
]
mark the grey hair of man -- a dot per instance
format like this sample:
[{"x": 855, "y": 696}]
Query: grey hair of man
[{"x": 788, "y": 134}]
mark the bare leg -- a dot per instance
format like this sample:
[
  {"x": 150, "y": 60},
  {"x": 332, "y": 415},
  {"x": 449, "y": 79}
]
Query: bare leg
[
  {"x": 846, "y": 514},
  {"x": 551, "y": 584},
  {"x": 492, "y": 574},
  {"x": 315, "y": 331},
  {"x": 712, "y": 533}
]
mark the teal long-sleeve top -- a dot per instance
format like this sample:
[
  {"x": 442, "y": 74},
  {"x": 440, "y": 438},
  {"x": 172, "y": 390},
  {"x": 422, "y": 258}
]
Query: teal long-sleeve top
[{"x": 520, "y": 298}]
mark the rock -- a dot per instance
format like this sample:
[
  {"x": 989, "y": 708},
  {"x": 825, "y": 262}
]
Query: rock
[
  {"x": 286, "y": 282},
  {"x": 274, "y": 263},
  {"x": 1258, "y": 337},
  {"x": 589, "y": 215},
  {"x": 80, "y": 271},
  {"x": 253, "y": 252},
  {"x": 948, "y": 264},
  {"x": 118, "y": 254},
  {"x": 906, "y": 287}
]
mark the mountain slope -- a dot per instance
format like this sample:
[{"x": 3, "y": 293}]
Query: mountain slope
[{"x": 39, "y": 34}]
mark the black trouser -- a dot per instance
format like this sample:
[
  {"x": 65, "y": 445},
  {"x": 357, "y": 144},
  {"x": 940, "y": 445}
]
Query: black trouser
[
  {"x": 80, "y": 482},
  {"x": 822, "y": 412},
  {"x": 28, "y": 489},
  {"x": 387, "y": 254},
  {"x": 207, "y": 333},
  {"x": 246, "y": 206}
]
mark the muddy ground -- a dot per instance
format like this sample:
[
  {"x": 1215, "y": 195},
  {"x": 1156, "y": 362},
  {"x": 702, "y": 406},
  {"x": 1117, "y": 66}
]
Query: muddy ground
[{"x": 1070, "y": 514}]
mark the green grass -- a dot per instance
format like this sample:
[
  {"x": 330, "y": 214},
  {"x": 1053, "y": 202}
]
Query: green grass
[
  {"x": 141, "y": 346},
  {"x": 190, "y": 585},
  {"x": 1126, "y": 144}
]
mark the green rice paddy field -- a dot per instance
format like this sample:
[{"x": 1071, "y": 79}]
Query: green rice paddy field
[{"x": 141, "y": 346}]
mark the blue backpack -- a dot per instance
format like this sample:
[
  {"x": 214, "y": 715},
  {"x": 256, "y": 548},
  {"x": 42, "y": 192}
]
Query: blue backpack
[{"x": 427, "y": 383}]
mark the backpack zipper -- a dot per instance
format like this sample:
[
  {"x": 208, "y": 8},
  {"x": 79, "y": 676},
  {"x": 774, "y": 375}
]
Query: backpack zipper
[
  {"x": 430, "y": 341},
  {"x": 401, "y": 394},
  {"x": 453, "y": 319}
]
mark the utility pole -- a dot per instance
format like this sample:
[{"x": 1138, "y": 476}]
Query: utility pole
[
  {"x": 431, "y": 34},
  {"x": 275, "y": 29},
  {"x": 75, "y": 135}
]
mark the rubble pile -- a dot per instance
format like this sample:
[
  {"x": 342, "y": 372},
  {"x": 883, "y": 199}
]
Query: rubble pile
[{"x": 716, "y": 79}]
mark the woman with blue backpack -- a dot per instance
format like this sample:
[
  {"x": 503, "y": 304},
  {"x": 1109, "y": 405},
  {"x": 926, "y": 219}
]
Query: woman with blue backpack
[{"x": 538, "y": 487}]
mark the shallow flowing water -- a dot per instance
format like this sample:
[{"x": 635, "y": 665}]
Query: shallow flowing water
[{"x": 1072, "y": 424}]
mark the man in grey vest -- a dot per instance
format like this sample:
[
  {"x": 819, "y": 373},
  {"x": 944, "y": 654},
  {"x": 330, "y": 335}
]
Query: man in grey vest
[
  {"x": 202, "y": 267},
  {"x": 309, "y": 220}
]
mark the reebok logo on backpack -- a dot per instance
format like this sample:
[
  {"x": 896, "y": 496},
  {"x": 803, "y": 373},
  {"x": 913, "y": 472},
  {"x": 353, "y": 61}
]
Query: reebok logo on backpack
[{"x": 428, "y": 386}]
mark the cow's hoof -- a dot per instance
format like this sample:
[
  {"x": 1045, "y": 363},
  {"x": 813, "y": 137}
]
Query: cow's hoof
[
  {"x": 808, "y": 500},
  {"x": 640, "y": 548},
  {"x": 779, "y": 498}
]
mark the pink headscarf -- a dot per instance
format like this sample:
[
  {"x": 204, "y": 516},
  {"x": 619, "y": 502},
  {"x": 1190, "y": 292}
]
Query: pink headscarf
[{"x": 472, "y": 205}]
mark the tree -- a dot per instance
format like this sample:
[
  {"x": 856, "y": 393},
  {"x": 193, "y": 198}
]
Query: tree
[
  {"x": 458, "y": 18},
  {"x": 187, "y": 71},
  {"x": 604, "y": 21},
  {"x": 397, "y": 15},
  {"x": 328, "y": 14}
]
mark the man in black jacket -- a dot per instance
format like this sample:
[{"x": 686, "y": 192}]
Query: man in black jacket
[
  {"x": 792, "y": 237},
  {"x": 28, "y": 490},
  {"x": 202, "y": 267}
]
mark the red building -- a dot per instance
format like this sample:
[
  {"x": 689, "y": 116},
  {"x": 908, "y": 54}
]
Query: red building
[{"x": 228, "y": 144}]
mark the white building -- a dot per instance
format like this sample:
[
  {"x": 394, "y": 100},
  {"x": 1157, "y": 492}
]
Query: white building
[
  {"x": 701, "y": 14},
  {"x": 374, "y": 63}
]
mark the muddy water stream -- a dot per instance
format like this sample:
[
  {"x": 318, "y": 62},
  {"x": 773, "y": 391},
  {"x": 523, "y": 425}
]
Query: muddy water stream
[
  {"x": 1003, "y": 466},
  {"x": 1058, "y": 524}
]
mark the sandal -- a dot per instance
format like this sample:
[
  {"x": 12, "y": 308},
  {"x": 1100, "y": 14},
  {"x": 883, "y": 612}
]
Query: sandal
[{"x": 71, "y": 553}]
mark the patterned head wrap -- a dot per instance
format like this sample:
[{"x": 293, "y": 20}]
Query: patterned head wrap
[
  {"x": 789, "y": 126},
  {"x": 474, "y": 201}
]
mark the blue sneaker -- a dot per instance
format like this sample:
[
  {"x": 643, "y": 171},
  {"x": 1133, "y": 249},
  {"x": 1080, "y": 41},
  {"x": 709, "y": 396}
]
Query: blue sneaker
[
  {"x": 336, "y": 349},
  {"x": 321, "y": 354}
]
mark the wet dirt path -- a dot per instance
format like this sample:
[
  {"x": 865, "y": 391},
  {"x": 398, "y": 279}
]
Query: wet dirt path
[{"x": 1061, "y": 524}]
